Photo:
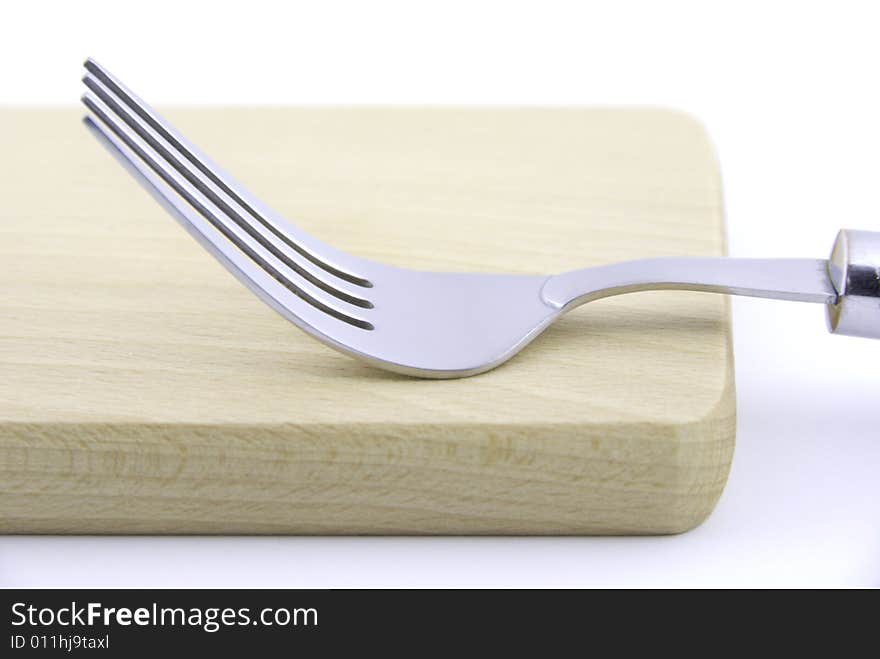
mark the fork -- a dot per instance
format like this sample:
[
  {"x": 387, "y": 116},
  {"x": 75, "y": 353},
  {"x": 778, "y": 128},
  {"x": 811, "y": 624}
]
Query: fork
[{"x": 433, "y": 324}]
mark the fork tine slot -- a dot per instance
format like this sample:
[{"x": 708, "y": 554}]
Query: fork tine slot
[
  {"x": 237, "y": 248},
  {"x": 213, "y": 173},
  {"x": 228, "y": 206}
]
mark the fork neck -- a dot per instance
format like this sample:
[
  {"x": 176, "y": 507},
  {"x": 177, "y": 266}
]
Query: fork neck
[{"x": 802, "y": 280}]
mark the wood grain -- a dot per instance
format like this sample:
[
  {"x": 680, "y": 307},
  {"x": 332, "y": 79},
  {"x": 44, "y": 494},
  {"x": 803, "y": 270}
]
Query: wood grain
[{"x": 143, "y": 390}]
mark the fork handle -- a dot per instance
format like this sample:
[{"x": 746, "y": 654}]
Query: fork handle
[
  {"x": 854, "y": 270},
  {"x": 848, "y": 283}
]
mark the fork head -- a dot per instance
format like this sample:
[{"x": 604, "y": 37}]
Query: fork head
[{"x": 427, "y": 324}]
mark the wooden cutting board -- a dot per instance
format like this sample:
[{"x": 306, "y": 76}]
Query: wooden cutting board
[{"x": 144, "y": 390}]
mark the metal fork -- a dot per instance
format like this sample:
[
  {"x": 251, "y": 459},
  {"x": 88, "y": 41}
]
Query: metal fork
[{"x": 433, "y": 324}]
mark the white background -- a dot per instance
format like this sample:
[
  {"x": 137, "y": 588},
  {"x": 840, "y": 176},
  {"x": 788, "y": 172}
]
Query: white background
[{"x": 789, "y": 93}]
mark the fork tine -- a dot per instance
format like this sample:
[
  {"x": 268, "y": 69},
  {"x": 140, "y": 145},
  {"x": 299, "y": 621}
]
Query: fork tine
[
  {"x": 213, "y": 173},
  {"x": 229, "y": 207},
  {"x": 236, "y": 248}
]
